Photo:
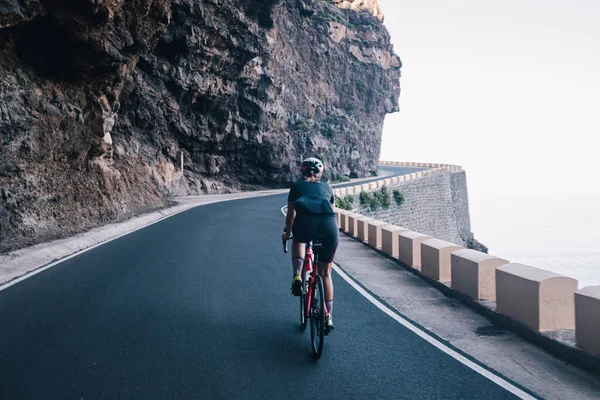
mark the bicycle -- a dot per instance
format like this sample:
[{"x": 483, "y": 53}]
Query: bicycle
[{"x": 312, "y": 300}]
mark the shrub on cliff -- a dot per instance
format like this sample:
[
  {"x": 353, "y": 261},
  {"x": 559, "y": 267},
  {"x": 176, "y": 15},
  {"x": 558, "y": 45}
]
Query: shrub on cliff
[
  {"x": 375, "y": 204},
  {"x": 344, "y": 203},
  {"x": 377, "y": 200},
  {"x": 384, "y": 197},
  {"x": 398, "y": 197},
  {"x": 349, "y": 200},
  {"x": 365, "y": 198},
  {"x": 341, "y": 179}
]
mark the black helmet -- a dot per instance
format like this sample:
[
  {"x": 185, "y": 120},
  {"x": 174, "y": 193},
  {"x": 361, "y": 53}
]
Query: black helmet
[{"x": 311, "y": 166}]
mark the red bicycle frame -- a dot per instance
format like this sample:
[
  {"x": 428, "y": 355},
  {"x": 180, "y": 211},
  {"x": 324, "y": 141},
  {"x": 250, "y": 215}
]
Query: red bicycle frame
[{"x": 309, "y": 264}]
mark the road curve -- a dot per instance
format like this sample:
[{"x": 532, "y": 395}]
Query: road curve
[{"x": 198, "y": 306}]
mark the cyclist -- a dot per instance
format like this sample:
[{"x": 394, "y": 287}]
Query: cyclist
[{"x": 311, "y": 212}]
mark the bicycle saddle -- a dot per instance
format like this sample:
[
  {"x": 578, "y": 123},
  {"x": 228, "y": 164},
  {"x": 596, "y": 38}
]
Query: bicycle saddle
[{"x": 317, "y": 241}]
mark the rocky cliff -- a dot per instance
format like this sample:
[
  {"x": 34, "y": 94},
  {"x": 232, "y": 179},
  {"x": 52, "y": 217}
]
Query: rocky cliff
[{"x": 102, "y": 101}]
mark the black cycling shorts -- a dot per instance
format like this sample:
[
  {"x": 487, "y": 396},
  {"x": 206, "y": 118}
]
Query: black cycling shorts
[{"x": 306, "y": 226}]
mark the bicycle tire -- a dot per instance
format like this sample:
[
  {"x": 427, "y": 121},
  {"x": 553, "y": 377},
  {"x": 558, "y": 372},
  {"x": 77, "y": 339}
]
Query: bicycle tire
[
  {"x": 317, "y": 318},
  {"x": 303, "y": 320}
]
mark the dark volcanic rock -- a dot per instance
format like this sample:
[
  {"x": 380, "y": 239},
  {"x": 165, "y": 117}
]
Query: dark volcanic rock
[
  {"x": 475, "y": 244},
  {"x": 99, "y": 99}
]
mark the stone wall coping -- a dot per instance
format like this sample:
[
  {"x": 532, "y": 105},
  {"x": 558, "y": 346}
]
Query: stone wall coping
[
  {"x": 393, "y": 228},
  {"x": 440, "y": 244},
  {"x": 475, "y": 256},
  {"x": 413, "y": 235},
  {"x": 530, "y": 273},
  {"x": 378, "y": 223},
  {"x": 590, "y": 291},
  {"x": 375, "y": 185}
]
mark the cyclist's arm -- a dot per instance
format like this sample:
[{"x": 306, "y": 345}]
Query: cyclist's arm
[
  {"x": 332, "y": 199},
  {"x": 289, "y": 218}
]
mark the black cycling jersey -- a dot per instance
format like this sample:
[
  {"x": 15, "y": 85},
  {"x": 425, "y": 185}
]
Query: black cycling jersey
[
  {"x": 312, "y": 197},
  {"x": 315, "y": 216}
]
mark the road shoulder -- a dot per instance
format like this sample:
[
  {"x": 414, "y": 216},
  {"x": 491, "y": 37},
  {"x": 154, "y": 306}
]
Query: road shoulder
[{"x": 463, "y": 328}]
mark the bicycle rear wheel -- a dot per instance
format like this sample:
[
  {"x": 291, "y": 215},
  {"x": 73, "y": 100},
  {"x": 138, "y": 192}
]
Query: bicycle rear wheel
[
  {"x": 303, "y": 302},
  {"x": 317, "y": 317}
]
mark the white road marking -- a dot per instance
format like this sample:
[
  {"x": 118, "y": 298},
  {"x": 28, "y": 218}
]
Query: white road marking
[
  {"x": 452, "y": 353},
  {"x": 430, "y": 339}
]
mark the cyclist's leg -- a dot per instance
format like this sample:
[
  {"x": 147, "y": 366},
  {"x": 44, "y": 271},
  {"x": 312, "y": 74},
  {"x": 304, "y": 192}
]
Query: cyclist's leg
[
  {"x": 325, "y": 272},
  {"x": 330, "y": 243},
  {"x": 298, "y": 247}
]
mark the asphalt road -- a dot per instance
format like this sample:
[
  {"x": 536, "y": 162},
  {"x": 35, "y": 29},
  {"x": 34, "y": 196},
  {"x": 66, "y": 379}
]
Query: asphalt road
[{"x": 198, "y": 307}]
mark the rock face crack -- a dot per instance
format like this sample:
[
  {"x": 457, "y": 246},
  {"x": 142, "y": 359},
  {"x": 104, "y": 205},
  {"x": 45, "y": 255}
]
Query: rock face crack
[{"x": 100, "y": 100}]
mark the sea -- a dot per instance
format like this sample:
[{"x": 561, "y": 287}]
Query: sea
[{"x": 556, "y": 233}]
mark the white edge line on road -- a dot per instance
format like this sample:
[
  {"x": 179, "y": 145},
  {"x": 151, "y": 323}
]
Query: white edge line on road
[
  {"x": 452, "y": 353},
  {"x": 431, "y": 340}
]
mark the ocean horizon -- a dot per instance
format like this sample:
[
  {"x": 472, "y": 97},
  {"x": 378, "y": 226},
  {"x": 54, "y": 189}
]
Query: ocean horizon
[{"x": 556, "y": 233}]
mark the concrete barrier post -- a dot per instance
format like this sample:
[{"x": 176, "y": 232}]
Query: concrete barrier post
[
  {"x": 389, "y": 239},
  {"x": 363, "y": 228},
  {"x": 540, "y": 299},
  {"x": 344, "y": 220},
  {"x": 375, "y": 233},
  {"x": 474, "y": 273},
  {"x": 352, "y": 227},
  {"x": 409, "y": 248},
  {"x": 587, "y": 319},
  {"x": 435, "y": 259}
]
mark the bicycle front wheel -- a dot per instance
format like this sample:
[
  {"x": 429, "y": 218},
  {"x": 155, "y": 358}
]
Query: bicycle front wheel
[{"x": 317, "y": 317}]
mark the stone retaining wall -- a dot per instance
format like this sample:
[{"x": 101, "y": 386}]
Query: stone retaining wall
[
  {"x": 538, "y": 300},
  {"x": 436, "y": 203}
]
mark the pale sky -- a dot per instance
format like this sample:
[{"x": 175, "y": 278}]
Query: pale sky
[{"x": 508, "y": 89}]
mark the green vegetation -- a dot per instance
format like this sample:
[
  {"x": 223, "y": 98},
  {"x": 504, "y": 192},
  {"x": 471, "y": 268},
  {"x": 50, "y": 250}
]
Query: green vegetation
[
  {"x": 349, "y": 200},
  {"x": 23, "y": 77},
  {"x": 341, "y": 179},
  {"x": 384, "y": 197},
  {"x": 301, "y": 124},
  {"x": 365, "y": 198},
  {"x": 398, "y": 197},
  {"x": 375, "y": 204},
  {"x": 344, "y": 203},
  {"x": 377, "y": 200},
  {"x": 320, "y": 157},
  {"x": 374, "y": 172},
  {"x": 334, "y": 17}
]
